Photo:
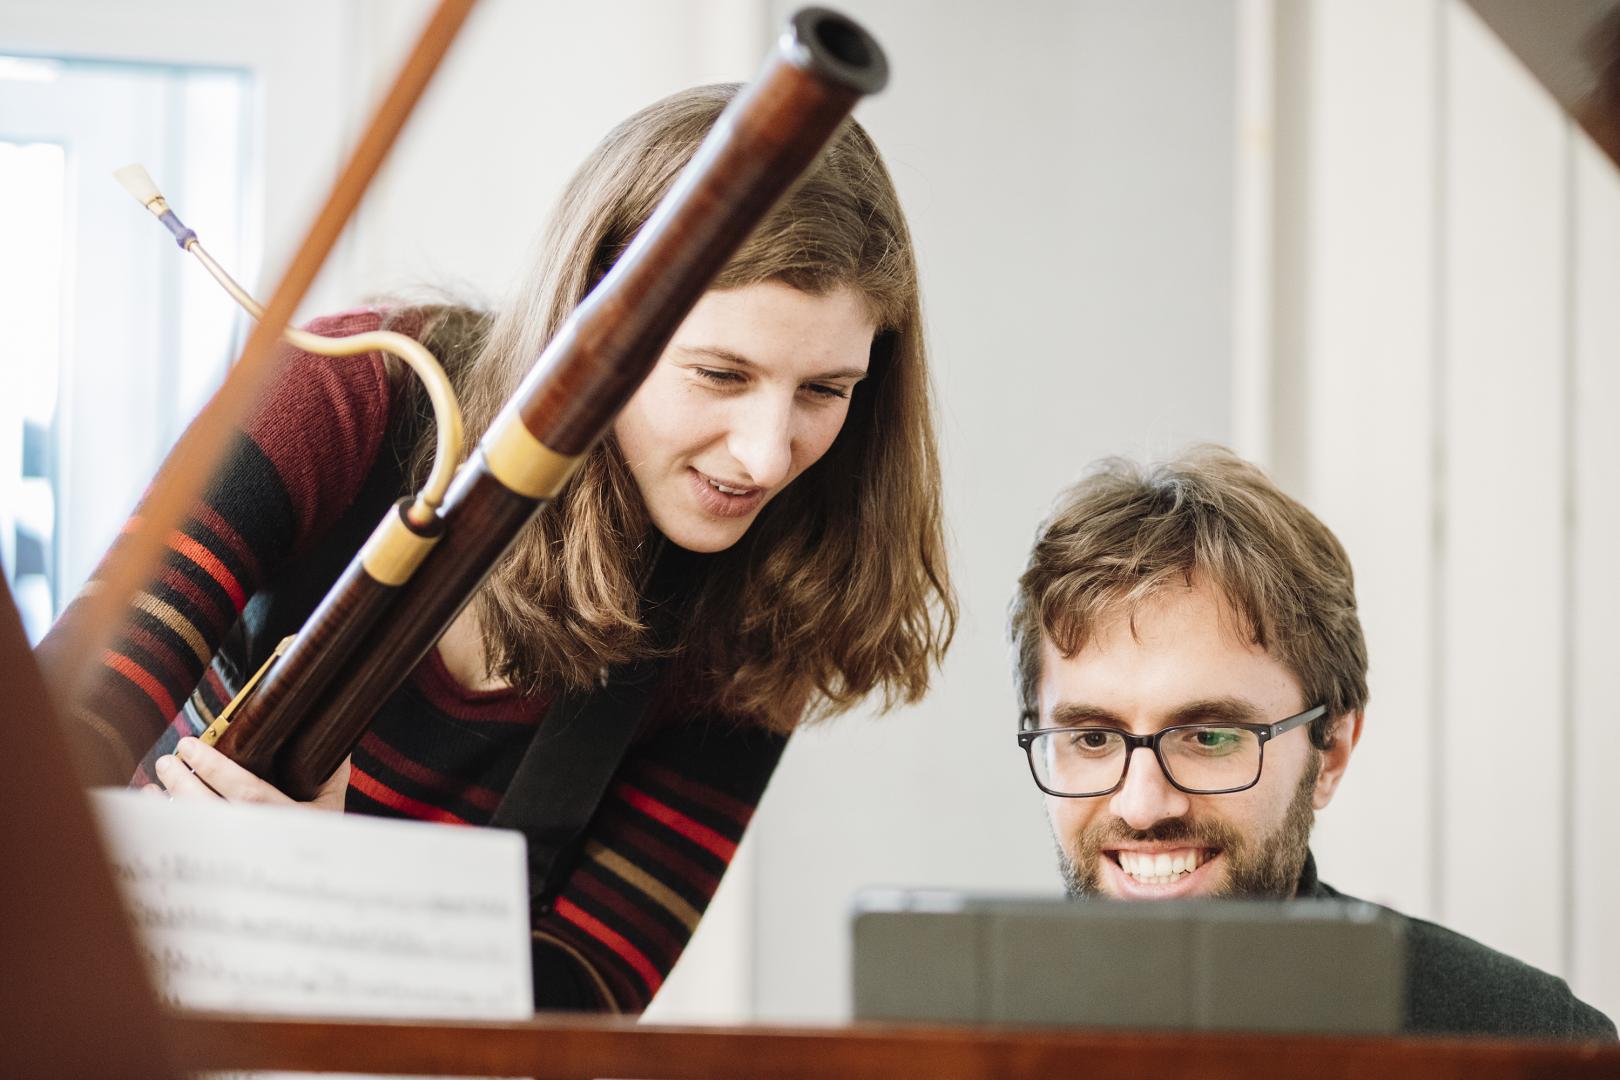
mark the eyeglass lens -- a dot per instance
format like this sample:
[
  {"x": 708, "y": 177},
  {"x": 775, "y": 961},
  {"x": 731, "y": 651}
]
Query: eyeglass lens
[{"x": 1090, "y": 761}]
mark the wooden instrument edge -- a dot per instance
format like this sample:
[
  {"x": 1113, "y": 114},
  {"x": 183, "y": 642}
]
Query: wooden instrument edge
[{"x": 564, "y": 1047}]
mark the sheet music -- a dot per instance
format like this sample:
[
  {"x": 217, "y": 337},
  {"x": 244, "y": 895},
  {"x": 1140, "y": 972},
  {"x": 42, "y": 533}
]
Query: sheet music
[{"x": 300, "y": 912}]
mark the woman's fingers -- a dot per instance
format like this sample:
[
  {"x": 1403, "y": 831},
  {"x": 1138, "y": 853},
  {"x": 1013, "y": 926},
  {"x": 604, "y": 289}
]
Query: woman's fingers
[
  {"x": 180, "y": 782},
  {"x": 198, "y": 771},
  {"x": 212, "y": 769}
]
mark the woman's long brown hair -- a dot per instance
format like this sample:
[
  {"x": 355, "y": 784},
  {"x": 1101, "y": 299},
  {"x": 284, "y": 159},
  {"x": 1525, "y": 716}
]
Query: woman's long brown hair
[{"x": 840, "y": 587}]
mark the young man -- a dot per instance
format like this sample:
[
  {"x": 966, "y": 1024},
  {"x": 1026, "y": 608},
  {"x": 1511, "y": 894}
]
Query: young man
[{"x": 1193, "y": 678}]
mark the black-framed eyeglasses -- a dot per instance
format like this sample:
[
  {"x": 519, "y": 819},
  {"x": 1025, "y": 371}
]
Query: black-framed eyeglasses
[{"x": 1081, "y": 762}]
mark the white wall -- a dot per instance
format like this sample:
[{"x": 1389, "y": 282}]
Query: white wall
[
  {"x": 1591, "y": 873},
  {"x": 1450, "y": 414},
  {"x": 1356, "y": 296},
  {"x": 525, "y": 93},
  {"x": 1501, "y": 440}
]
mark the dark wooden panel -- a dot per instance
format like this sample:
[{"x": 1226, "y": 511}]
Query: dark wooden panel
[
  {"x": 571, "y": 1047},
  {"x": 74, "y": 997},
  {"x": 1573, "y": 47}
]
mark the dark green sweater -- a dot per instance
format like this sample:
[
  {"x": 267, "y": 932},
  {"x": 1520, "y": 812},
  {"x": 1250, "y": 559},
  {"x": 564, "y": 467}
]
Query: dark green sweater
[{"x": 1456, "y": 986}]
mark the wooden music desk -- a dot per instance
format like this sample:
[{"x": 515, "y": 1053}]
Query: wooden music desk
[{"x": 570, "y": 1047}]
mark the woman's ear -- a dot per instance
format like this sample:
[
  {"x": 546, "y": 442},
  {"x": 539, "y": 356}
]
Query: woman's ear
[{"x": 1336, "y": 758}]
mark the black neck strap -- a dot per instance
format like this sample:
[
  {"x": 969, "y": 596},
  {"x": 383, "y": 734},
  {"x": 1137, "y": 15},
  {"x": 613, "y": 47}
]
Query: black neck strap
[
  {"x": 586, "y": 734},
  {"x": 566, "y": 770}
]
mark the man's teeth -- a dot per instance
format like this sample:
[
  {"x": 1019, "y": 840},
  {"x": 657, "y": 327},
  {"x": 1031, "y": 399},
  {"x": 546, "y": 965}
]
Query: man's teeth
[
  {"x": 718, "y": 486},
  {"x": 1161, "y": 868}
]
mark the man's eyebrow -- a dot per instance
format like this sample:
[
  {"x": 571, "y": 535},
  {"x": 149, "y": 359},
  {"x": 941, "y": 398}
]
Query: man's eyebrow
[
  {"x": 1075, "y": 713},
  {"x": 726, "y": 356},
  {"x": 1222, "y": 710}
]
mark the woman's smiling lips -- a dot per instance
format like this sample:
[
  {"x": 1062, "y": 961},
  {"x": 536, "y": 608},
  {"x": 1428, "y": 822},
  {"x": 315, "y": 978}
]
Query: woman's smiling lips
[{"x": 723, "y": 499}]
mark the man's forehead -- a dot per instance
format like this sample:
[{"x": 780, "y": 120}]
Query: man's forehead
[
  {"x": 1172, "y": 618},
  {"x": 1179, "y": 646}
]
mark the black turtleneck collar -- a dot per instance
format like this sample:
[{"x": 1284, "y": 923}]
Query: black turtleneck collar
[{"x": 1310, "y": 886}]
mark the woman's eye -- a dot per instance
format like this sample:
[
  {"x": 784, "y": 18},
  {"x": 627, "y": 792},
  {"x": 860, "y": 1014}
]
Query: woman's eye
[
  {"x": 727, "y": 378},
  {"x": 825, "y": 390}
]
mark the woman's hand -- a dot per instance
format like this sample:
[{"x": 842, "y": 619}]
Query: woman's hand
[{"x": 198, "y": 771}]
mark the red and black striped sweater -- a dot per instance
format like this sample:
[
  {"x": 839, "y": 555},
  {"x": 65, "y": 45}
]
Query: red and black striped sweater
[{"x": 436, "y": 751}]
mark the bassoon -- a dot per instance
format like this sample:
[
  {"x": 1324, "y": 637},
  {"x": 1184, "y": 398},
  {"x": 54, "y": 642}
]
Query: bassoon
[{"x": 307, "y": 709}]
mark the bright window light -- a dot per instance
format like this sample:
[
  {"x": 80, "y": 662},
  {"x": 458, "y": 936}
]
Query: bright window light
[
  {"x": 32, "y": 175},
  {"x": 110, "y": 338}
]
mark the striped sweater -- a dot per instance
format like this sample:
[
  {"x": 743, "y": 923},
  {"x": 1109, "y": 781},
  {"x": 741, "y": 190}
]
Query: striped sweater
[{"x": 436, "y": 751}]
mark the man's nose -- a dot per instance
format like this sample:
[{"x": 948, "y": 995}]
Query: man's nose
[
  {"x": 1146, "y": 797},
  {"x": 761, "y": 439}
]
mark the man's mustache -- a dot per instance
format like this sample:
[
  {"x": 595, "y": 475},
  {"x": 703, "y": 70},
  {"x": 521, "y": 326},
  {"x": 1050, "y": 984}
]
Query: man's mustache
[{"x": 1207, "y": 834}]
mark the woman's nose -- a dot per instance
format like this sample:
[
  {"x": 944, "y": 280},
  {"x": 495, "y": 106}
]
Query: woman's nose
[{"x": 761, "y": 439}]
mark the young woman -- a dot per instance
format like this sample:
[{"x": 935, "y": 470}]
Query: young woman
[{"x": 764, "y": 522}]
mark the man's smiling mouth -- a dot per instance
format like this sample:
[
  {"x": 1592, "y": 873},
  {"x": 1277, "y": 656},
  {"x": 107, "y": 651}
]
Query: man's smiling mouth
[{"x": 1164, "y": 867}]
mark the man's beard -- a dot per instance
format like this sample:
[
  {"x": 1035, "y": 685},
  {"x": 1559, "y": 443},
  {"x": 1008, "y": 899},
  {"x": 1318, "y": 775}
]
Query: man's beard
[{"x": 1269, "y": 868}]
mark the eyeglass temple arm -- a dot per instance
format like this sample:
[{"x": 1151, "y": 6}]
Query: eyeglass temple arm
[{"x": 1292, "y": 722}]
